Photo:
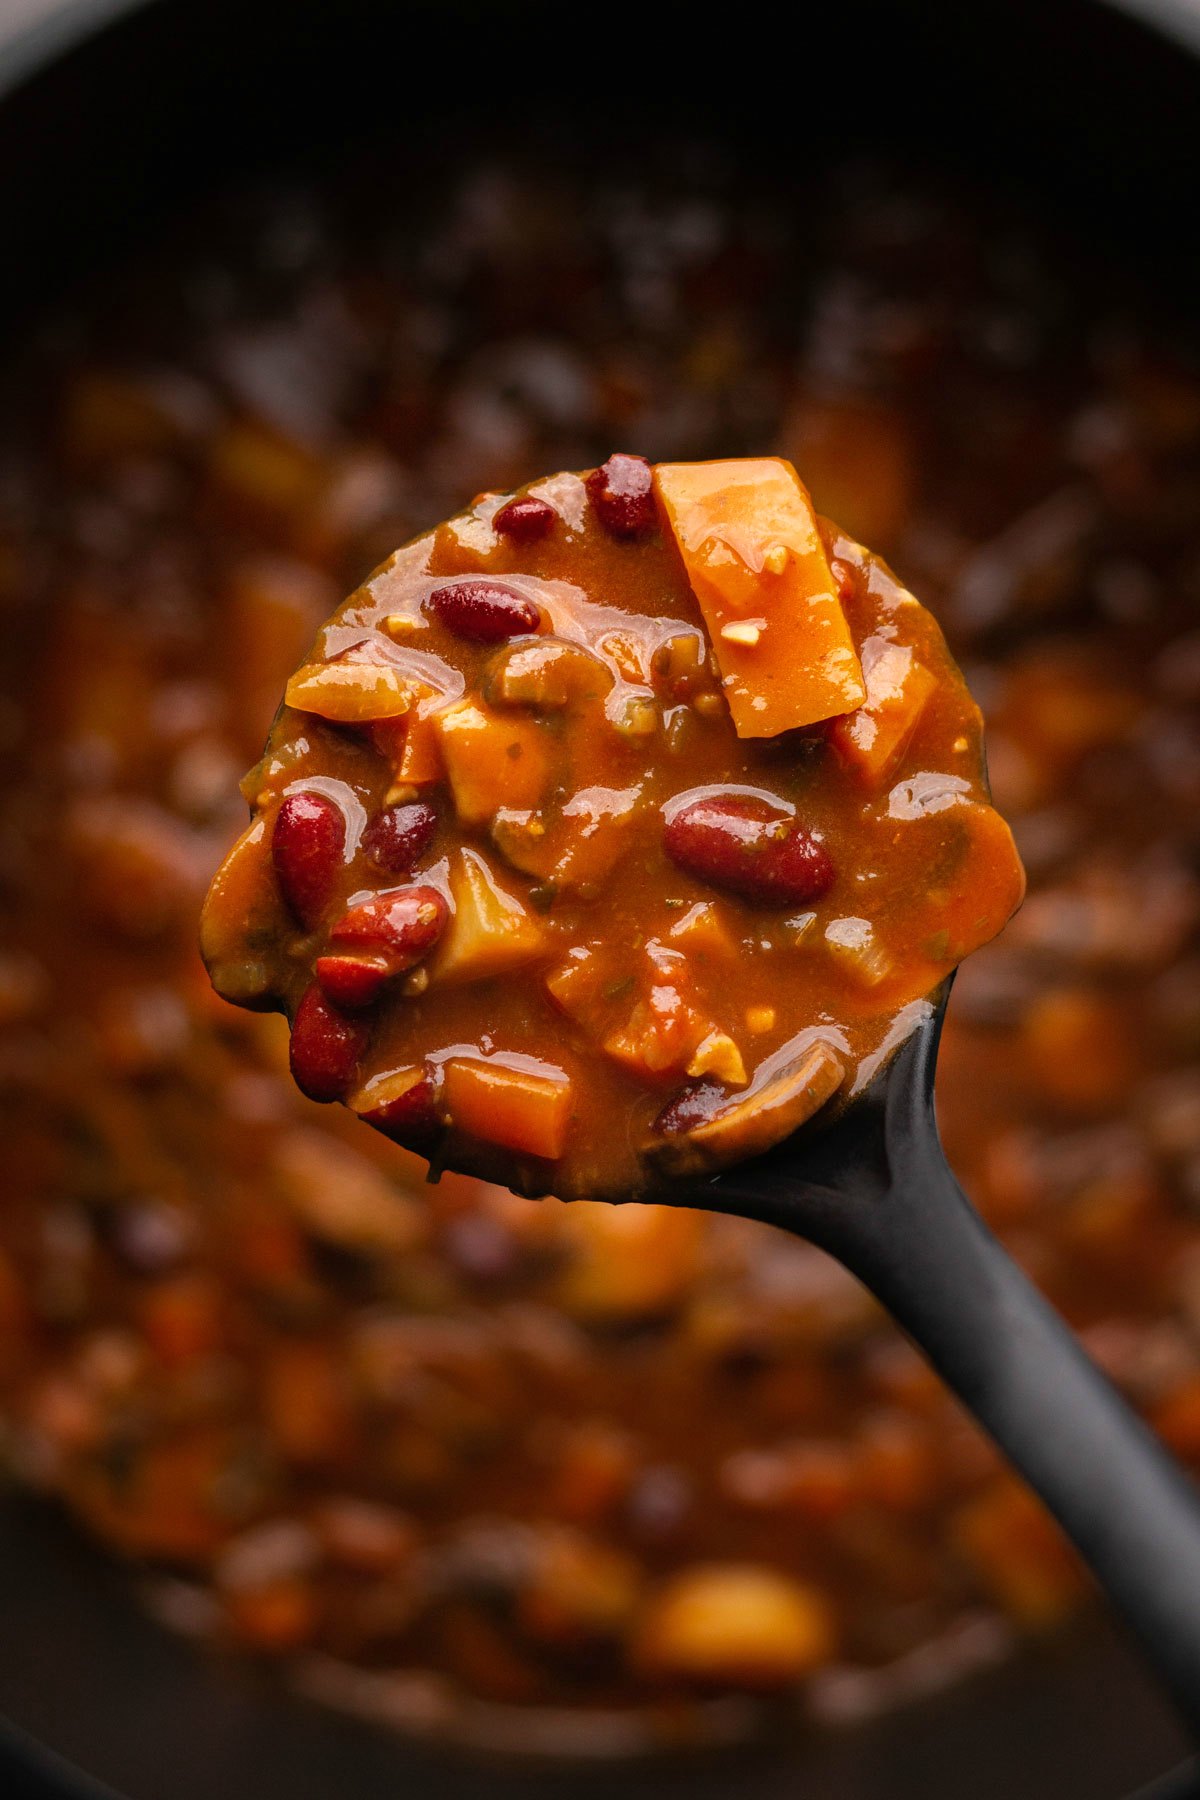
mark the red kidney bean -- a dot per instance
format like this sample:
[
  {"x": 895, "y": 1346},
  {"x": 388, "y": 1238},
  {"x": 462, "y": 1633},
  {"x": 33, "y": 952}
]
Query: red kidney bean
[
  {"x": 352, "y": 982},
  {"x": 737, "y": 842},
  {"x": 325, "y": 1048},
  {"x": 409, "y": 1120},
  {"x": 693, "y": 1105},
  {"x": 525, "y": 519},
  {"x": 622, "y": 493},
  {"x": 486, "y": 612},
  {"x": 400, "y": 927},
  {"x": 308, "y": 847},
  {"x": 398, "y": 835}
]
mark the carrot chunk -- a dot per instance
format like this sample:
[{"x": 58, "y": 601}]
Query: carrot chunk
[
  {"x": 748, "y": 537},
  {"x": 523, "y": 1111}
]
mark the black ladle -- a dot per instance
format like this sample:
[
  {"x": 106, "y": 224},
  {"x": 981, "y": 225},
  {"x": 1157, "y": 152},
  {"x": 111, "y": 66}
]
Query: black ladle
[{"x": 874, "y": 1189}]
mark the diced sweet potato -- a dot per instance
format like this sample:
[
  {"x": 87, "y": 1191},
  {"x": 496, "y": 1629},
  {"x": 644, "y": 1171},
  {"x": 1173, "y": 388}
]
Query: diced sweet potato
[
  {"x": 873, "y": 739},
  {"x": 490, "y": 931},
  {"x": 360, "y": 685},
  {"x": 492, "y": 760},
  {"x": 735, "y": 1624},
  {"x": 576, "y": 985},
  {"x": 661, "y": 1033},
  {"x": 525, "y": 1112},
  {"x": 626, "y": 1262},
  {"x": 412, "y": 740},
  {"x": 594, "y": 834},
  {"x": 749, "y": 541},
  {"x": 703, "y": 932}
]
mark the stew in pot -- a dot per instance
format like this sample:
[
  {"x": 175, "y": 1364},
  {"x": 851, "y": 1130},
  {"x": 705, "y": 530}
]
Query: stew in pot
[{"x": 561, "y": 1474}]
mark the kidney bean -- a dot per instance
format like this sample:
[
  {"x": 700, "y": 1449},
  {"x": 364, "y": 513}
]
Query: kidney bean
[
  {"x": 398, "y": 835},
  {"x": 525, "y": 519},
  {"x": 308, "y": 846},
  {"x": 400, "y": 927},
  {"x": 486, "y": 612},
  {"x": 325, "y": 1048},
  {"x": 409, "y": 1119},
  {"x": 623, "y": 496},
  {"x": 352, "y": 982},
  {"x": 693, "y": 1105},
  {"x": 737, "y": 842}
]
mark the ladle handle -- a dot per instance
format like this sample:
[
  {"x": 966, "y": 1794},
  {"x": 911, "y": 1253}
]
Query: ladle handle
[{"x": 925, "y": 1253}]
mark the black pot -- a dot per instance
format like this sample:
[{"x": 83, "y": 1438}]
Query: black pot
[{"x": 117, "y": 118}]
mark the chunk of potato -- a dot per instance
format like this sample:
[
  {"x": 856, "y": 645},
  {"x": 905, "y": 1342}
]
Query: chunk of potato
[
  {"x": 492, "y": 759},
  {"x": 735, "y": 1624},
  {"x": 490, "y": 930},
  {"x": 748, "y": 537},
  {"x": 525, "y": 1112}
]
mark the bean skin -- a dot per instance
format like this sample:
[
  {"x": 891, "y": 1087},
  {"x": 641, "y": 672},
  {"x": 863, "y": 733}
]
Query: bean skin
[
  {"x": 621, "y": 490},
  {"x": 398, "y": 836},
  {"x": 308, "y": 848},
  {"x": 326, "y": 1048},
  {"x": 401, "y": 926},
  {"x": 743, "y": 845},
  {"x": 411, "y": 1119},
  {"x": 352, "y": 982},
  {"x": 693, "y": 1105},
  {"x": 525, "y": 519},
  {"x": 483, "y": 612}
]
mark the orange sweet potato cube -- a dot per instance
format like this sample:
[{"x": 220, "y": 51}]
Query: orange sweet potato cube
[
  {"x": 412, "y": 742},
  {"x": 492, "y": 760},
  {"x": 874, "y": 738},
  {"x": 490, "y": 932},
  {"x": 523, "y": 1111},
  {"x": 748, "y": 537},
  {"x": 356, "y": 687}
]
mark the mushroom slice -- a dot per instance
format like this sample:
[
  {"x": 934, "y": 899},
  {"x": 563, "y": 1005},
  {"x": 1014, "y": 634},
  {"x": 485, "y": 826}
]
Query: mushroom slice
[{"x": 753, "y": 1124}]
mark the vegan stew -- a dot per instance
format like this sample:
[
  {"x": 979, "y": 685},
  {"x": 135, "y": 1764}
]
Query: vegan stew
[
  {"x": 611, "y": 830},
  {"x": 472, "y": 1465}
]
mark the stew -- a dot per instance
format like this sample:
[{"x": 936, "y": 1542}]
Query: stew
[
  {"x": 500, "y": 1469},
  {"x": 533, "y": 841}
]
